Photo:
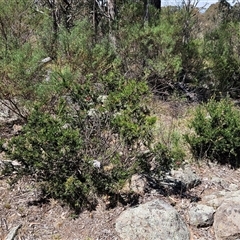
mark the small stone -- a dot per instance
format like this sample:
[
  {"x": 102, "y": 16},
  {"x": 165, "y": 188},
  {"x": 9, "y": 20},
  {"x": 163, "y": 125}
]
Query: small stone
[
  {"x": 233, "y": 187},
  {"x": 187, "y": 177},
  {"x": 201, "y": 215}
]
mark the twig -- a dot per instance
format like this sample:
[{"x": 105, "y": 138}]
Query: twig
[{"x": 13, "y": 232}]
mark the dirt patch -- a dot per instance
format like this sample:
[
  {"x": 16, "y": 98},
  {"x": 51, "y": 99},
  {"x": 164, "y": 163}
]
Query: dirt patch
[{"x": 42, "y": 219}]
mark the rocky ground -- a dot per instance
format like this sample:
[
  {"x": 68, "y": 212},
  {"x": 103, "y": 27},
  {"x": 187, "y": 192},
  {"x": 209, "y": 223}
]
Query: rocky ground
[
  {"x": 49, "y": 220},
  {"x": 20, "y": 207}
]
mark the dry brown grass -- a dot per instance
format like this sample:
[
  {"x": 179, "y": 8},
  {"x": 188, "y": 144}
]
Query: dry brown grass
[{"x": 172, "y": 121}]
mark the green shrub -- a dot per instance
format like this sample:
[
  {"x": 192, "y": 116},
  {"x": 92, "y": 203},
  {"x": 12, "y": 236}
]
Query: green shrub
[
  {"x": 163, "y": 157},
  {"x": 20, "y": 55},
  {"x": 92, "y": 101},
  {"x": 216, "y": 134},
  {"x": 159, "y": 160},
  {"x": 221, "y": 51},
  {"x": 62, "y": 146},
  {"x": 131, "y": 115}
]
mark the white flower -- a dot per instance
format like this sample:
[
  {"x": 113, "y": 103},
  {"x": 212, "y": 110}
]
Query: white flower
[
  {"x": 96, "y": 164},
  {"x": 92, "y": 112},
  {"x": 102, "y": 99},
  {"x": 46, "y": 60}
]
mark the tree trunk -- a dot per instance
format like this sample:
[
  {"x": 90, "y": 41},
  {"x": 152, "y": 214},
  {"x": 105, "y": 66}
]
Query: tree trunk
[
  {"x": 146, "y": 12},
  {"x": 111, "y": 18},
  {"x": 55, "y": 27}
]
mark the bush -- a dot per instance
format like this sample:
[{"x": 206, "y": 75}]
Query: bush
[
  {"x": 20, "y": 55},
  {"x": 87, "y": 117},
  {"x": 216, "y": 132},
  {"x": 88, "y": 144},
  {"x": 221, "y": 51}
]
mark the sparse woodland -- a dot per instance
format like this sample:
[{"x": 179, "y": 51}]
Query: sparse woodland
[{"x": 81, "y": 77}]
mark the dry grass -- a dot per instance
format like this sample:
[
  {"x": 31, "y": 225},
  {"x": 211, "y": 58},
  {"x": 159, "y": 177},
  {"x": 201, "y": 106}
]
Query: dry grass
[{"x": 172, "y": 123}]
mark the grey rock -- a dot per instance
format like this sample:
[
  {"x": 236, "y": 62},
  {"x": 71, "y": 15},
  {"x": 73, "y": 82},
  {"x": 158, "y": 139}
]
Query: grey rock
[
  {"x": 216, "y": 180},
  {"x": 227, "y": 219},
  {"x": 219, "y": 182},
  {"x": 233, "y": 187},
  {"x": 6, "y": 115},
  {"x": 96, "y": 164},
  {"x": 46, "y": 60},
  {"x": 102, "y": 99},
  {"x": 154, "y": 220},
  {"x": 216, "y": 199},
  {"x": 201, "y": 215},
  {"x": 9, "y": 166},
  {"x": 186, "y": 177}
]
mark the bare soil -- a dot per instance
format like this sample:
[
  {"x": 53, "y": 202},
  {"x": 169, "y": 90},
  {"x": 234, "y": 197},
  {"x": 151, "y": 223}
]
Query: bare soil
[{"x": 51, "y": 220}]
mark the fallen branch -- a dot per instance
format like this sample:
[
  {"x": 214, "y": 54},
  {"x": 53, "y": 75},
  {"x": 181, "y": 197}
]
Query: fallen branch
[{"x": 13, "y": 232}]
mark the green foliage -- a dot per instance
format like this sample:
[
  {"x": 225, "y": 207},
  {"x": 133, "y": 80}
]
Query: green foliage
[
  {"x": 15, "y": 18},
  {"x": 222, "y": 53},
  {"x": 44, "y": 132},
  {"x": 131, "y": 118},
  {"x": 163, "y": 52},
  {"x": 152, "y": 49},
  {"x": 20, "y": 55},
  {"x": 75, "y": 46},
  {"x": 216, "y": 132},
  {"x": 59, "y": 146},
  {"x": 90, "y": 102},
  {"x": 176, "y": 148},
  {"x": 51, "y": 151},
  {"x": 21, "y": 71},
  {"x": 167, "y": 62},
  {"x": 164, "y": 158},
  {"x": 159, "y": 160}
]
